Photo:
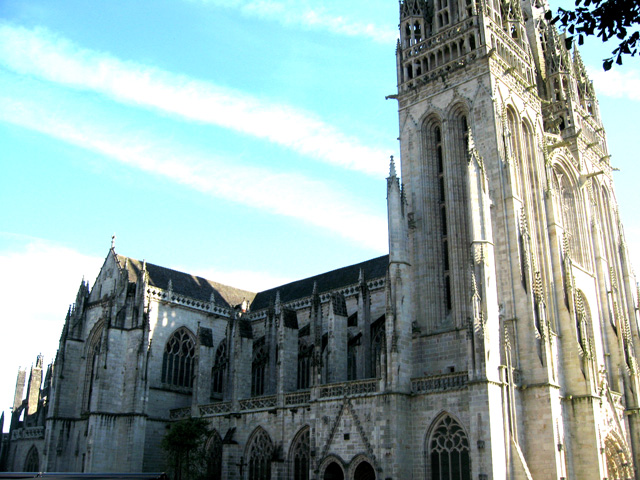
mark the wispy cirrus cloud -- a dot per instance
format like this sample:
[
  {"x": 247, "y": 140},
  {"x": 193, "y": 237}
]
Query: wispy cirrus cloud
[
  {"x": 42, "y": 108},
  {"x": 41, "y": 54},
  {"x": 316, "y": 17}
]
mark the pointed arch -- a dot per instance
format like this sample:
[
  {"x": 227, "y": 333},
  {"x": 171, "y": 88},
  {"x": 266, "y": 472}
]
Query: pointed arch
[
  {"x": 219, "y": 371},
  {"x": 93, "y": 348},
  {"x": 361, "y": 468},
  {"x": 378, "y": 345},
  {"x": 618, "y": 457},
  {"x": 259, "y": 367},
  {"x": 300, "y": 455},
  {"x": 214, "y": 456},
  {"x": 305, "y": 352},
  {"x": 178, "y": 360},
  {"x": 32, "y": 460},
  {"x": 447, "y": 450},
  {"x": 259, "y": 454},
  {"x": 332, "y": 468},
  {"x": 571, "y": 213}
]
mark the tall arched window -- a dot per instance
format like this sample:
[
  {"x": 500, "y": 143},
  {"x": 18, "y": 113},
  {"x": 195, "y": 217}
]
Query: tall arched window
[
  {"x": 377, "y": 347},
  {"x": 259, "y": 454},
  {"x": 259, "y": 368},
  {"x": 179, "y": 359},
  {"x": 219, "y": 370},
  {"x": 304, "y": 365},
  {"x": 32, "y": 461},
  {"x": 92, "y": 356},
  {"x": 300, "y": 455},
  {"x": 214, "y": 456},
  {"x": 448, "y": 451},
  {"x": 571, "y": 215}
]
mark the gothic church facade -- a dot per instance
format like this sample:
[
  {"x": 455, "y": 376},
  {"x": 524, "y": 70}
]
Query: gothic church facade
[{"x": 498, "y": 339}]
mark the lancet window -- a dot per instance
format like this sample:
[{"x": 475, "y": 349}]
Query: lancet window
[
  {"x": 304, "y": 365},
  {"x": 179, "y": 359},
  {"x": 259, "y": 455},
  {"x": 259, "y": 368},
  {"x": 570, "y": 212},
  {"x": 377, "y": 347},
  {"x": 32, "y": 462},
  {"x": 91, "y": 372},
  {"x": 214, "y": 456},
  {"x": 219, "y": 371},
  {"x": 300, "y": 455},
  {"x": 448, "y": 451}
]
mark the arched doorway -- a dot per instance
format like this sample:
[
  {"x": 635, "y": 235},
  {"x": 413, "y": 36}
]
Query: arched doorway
[
  {"x": 364, "y": 471},
  {"x": 333, "y": 472}
]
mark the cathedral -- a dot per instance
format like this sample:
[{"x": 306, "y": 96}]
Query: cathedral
[{"x": 496, "y": 340}]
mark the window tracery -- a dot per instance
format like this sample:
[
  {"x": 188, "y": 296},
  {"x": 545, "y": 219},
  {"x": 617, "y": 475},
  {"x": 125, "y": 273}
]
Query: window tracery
[
  {"x": 377, "y": 347},
  {"x": 259, "y": 455},
  {"x": 448, "y": 450},
  {"x": 179, "y": 359},
  {"x": 304, "y": 365},
  {"x": 259, "y": 368},
  {"x": 32, "y": 461},
  {"x": 300, "y": 455},
  {"x": 219, "y": 370}
]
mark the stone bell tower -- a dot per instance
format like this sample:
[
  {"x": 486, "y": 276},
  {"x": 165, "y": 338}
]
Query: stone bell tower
[{"x": 508, "y": 190}]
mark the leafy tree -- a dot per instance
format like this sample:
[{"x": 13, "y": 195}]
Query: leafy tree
[
  {"x": 606, "y": 19},
  {"x": 185, "y": 444}
]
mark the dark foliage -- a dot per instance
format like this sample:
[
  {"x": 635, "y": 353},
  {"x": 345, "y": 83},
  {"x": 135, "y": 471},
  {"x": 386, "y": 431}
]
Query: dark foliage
[
  {"x": 184, "y": 442},
  {"x": 607, "y": 19}
]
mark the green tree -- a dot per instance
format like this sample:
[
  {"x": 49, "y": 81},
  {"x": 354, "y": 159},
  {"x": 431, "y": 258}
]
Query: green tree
[
  {"x": 606, "y": 19},
  {"x": 185, "y": 444}
]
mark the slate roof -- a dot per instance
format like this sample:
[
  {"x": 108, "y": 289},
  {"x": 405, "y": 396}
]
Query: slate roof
[
  {"x": 374, "y": 268},
  {"x": 186, "y": 284},
  {"x": 201, "y": 289}
]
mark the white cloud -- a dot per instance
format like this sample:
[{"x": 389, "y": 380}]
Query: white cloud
[
  {"x": 41, "y": 54},
  {"x": 318, "y": 17},
  {"x": 288, "y": 194},
  {"x": 617, "y": 84},
  {"x": 38, "y": 283}
]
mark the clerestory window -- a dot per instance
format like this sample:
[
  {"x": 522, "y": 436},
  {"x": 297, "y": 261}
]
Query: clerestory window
[{"x": 179, "y": 359}]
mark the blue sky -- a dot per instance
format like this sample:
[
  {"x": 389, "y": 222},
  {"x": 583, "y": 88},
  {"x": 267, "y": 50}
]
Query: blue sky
[{"x": 244, "y": 141}]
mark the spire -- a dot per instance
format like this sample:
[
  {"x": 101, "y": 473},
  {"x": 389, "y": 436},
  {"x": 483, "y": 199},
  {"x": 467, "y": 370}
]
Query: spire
[{"x": 392, "y": 168}]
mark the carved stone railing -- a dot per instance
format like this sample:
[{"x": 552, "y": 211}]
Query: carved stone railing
[
  {"x": 179, "y": 413},
  {"x": 258, "y": 403},
  {"x": 29, "y": 432},
  {"x": 440, "y": 383},
  {"x": 348, "y": 388},
  {"x": 171, "y": 296},
  {"x": 297, "y": 398},
  {"x": 214, "y": 409}
]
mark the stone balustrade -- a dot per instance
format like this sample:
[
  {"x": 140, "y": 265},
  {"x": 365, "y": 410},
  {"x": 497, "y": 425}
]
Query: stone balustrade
[
  {"x": 27, "y": 433},
  {"x": 440, "y": 383}
]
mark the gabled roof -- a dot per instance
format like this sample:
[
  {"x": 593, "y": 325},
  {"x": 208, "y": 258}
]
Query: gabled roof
[
  {"x": 201, "y": 289},
  {"x": 186, "y": 284},
  {"x": 374, "y": 268}
]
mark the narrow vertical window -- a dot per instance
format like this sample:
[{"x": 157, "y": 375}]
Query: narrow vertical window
[
  {"x": 259, "y": 369},
  {"x": 219, "y": 370},
  {"x": 304, "y": 365},
  {"x": 444, "y": 228}
]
